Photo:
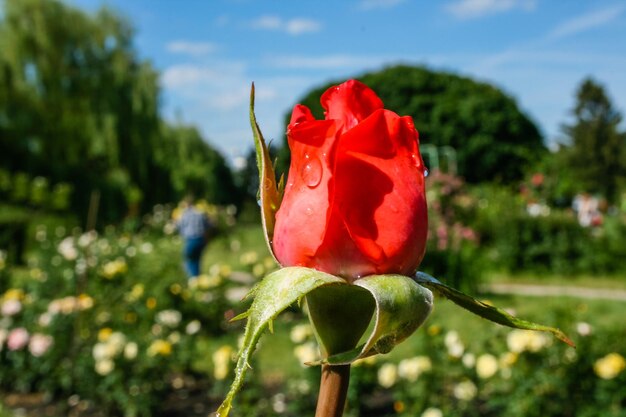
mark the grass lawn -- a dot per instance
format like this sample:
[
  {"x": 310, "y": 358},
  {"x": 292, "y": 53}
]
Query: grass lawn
[{"x": 275, "y": 359}]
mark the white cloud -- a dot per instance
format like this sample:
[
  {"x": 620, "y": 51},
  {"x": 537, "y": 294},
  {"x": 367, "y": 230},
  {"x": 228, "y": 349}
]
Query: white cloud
[
  {"x": 190, "y": 48},
  {"x": 469, "y": 9},
  {"x": 295, "y": 26},
  {"x": 337, "y": 61},
  {"x": 379, "y": 4},
  {"x": 184, "y": 75},
  {"x": 586, "y": 22},
  {"x": 299, "y": 26}
]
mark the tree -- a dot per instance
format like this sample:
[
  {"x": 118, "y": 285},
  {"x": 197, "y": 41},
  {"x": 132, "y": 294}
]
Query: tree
[
  {"x": 493, "y": 138},
  {"x": 596, "y": 151},
  {"x": 77, "y": 104}
]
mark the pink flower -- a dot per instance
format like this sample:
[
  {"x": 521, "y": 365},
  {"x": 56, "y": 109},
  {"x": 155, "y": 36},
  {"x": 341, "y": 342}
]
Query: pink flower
[
  {"x": 39, "y": 344},
  {"x": 18, "y": 338}
]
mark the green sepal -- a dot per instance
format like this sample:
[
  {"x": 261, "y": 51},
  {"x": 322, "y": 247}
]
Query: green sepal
[
  {"x": 270, "y": 194},
  {"x": 401, "y": 307},
  {"x": 484, "y": 310},
  {"x": 340, "y": 315},
  {"x": 272, "y": 295}
]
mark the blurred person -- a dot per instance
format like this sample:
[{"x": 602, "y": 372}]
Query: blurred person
[
  {"x": 195, "y": 228},
  {"x": 587, "y": 210}
]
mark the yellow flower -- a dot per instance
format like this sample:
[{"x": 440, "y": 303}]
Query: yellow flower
[
  {"x": 609, "y": 366},
  {"x": 434, "y": 330},
  {"x": 36, "y": 274},
  {"x": 13, "y": 294},
  {"x": 177, "y": 212},
  {"x": 221, "y": 362},
  {"x": 113, "y": 268},
  {"x": 104, "y": 334},
  {"x": 508, "y": 359},
  {"x": 248, "y": 258},
  {"x": 160, "y": 347},
  {"x": 85, "y": 302},
  {"x": 151, "y": 303},
  {"x": 258, "y": 270},
  {"x": 135, "y": 293},
  {"x": 175, "y": 289},
  {"x": 205, "y": 282}
]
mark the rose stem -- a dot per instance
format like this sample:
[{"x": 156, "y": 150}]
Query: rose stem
[{"x": 333, "y": 390}]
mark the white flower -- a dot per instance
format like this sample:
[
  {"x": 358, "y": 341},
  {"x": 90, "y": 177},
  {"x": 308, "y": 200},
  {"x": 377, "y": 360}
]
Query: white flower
[
  {"x": 278, "y": 403},
  {"x": 67, "y": 249},
  {"x": 146, "y": 247},
  {"x": 486, "y": 366},
  {"x": 104, "y": 367},
  {"x": 193, "y": 327},
  {"x": 117, "y": 341},
  {"x": 306, "y": 353},
  {"x": 174, "y": 338},
  {"x": 39, "y": 344},
  {"x": 465, "y": 390},
  {"x": 87, "y": 238},
  {"x": 300, "y": 333},
  {"x": 411, "y": 369},
  {"x": 45, "y": 319},
  {"x": 469, "y": 360},
  {"x": 454, "y": 344},
  {"x": 100, "y": 352},
  {"x": 11, "y": 307},
  {"x": 169, "y": 318},
  {"x": 432, "y": 412},
  {"x": 583, "y": 329},
  {"x": 526, "y": 340},
  {"x": 387, "y": 375},
  {"x": 130, "y": 351}
]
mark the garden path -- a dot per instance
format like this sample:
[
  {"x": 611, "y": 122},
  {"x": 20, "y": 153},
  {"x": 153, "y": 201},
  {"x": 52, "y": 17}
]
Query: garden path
[
  {"x": 556, "y": 290},
  {"x": 531, "y": 290}
]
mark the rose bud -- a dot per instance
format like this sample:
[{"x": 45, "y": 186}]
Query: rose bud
[{"x": 354, "y": 204}]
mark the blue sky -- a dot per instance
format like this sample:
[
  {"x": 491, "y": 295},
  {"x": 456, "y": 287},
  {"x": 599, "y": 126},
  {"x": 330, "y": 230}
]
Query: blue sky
[{"x": 209, "y": 51}]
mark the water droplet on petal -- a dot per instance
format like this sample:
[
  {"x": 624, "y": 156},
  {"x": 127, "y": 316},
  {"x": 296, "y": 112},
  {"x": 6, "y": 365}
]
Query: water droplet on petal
[
  {"x": 308, "y": 211},
  {"x": 426, "y": 172},
  {"x": 312, "y": 172}
]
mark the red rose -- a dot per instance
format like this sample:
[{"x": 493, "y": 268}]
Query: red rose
[{"x": 354, "y": 204}]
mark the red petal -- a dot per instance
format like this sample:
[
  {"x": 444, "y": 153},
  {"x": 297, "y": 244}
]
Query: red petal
[
  {"x": 350, "y": 103},
  {"x": 301, "y": 219},
  {"x": 300, "y": 114},
  {"x": 378, "y": 192}
]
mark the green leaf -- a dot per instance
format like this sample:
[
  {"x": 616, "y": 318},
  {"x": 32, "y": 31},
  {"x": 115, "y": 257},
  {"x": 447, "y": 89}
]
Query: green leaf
[
  {"x": 485, "y": 311},
  {"x": 272, "y": 295},
  {"x": 401, "y": 307},
  {"x": 270, "y": 194}
]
